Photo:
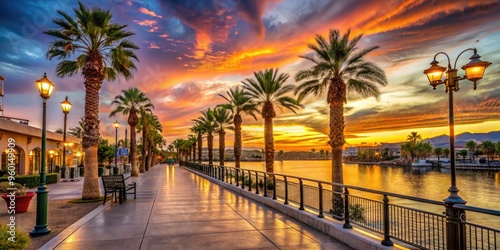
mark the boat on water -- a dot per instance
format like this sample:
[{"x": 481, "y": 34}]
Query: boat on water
[{"x": 421, "y": 163}]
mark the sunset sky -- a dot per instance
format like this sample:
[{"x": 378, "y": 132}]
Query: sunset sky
[{"x": 193, "y": 50}]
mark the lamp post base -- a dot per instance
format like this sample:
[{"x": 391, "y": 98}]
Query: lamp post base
[
  {"x": 455, "y": 228},
  {"x": 41, "y": 227},
  {"x": 40, "y": 231}
]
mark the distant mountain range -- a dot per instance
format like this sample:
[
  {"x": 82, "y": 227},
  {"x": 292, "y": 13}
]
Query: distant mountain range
[{"x": 443, "y": 141}]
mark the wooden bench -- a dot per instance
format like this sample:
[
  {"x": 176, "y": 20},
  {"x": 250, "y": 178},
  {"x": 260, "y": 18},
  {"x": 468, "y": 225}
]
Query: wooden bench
[{"x": 115, "y": 185}]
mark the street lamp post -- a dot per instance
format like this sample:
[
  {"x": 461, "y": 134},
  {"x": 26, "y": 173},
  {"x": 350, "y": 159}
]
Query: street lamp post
[
  {"x": 474, "y": 70},
  {"x": 116, "y": 124},
  {"x": 41, "y": 228},
  {"x": 66, "y": 106}
]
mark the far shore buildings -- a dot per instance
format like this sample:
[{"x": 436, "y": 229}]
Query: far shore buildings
[{"x": 26, "y": 142}]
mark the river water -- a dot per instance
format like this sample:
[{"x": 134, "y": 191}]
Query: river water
[{"x": 479, "y": 189}]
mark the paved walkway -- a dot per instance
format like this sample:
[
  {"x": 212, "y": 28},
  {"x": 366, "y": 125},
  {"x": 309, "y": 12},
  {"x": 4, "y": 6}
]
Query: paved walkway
[{"x": 176, "y": 209}]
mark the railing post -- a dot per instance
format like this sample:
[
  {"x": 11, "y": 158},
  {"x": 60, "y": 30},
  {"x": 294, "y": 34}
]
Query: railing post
[
  {"x": 387, "y": 240},
  {"x": 286, "y": 190},
  {"x": 301, "y": 189},
  {"x": 320, "y": 188},
  {"x": 242, "y": 179},
  {"x": 230, "y": 176},
  {"x": 347, "y": 224},
  {"x": 274, "y": 187},
  {"x": 249, "y": 181},
  {"x": 237, "y": 179},
  {"x": 455, "y": 228},
  {"x": 265, "y": 185},
  {"x": 257, "y": 182}
]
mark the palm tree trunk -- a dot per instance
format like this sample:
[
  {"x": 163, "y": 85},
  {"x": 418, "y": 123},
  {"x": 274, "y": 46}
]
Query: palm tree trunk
[
  {"x": 94, "y": 76},
  {"x": 194, "y": 152},
  {"x": 142, "y": 167},
  {"x": 337, "y": 141},
  {"x": 222, "y": 146},
  {"x": 237, "y": 140},
  {"x": 151, "y": 157},
  {"x": 200, "y": 146},
  {"x": 210, "y": 142},
  {"x": 133, "y": 152},
  {"x": 149, "y": 154},
  {"x": 91, "y": 180},
  {"x": 269, "y": 144}
]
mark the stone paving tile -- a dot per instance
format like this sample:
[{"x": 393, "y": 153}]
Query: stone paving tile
[
  {"x": 128, "y": 244},
  {"x": 198, "y": 227},
  {"x": 232, "y": 240},
  {"x": 117, "y": 232},
  {"x": 287, "y": 237},
  {"x": 192, "y": 217}
]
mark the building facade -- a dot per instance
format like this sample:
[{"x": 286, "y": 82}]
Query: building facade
[{"x": 25, "y": 143}]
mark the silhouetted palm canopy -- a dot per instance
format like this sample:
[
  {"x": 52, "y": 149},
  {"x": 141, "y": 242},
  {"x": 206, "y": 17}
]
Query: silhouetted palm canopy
[
  {"x": 239, "y": 103},
  {"x": 100, "y": 51},
  {"x": 339, "y": 67},
  {"x": 209, "y": 124},
  {"x": 266, "y": 90},
  {"x": 223, "y": 117},
  {"x": 132, "y": 102},
  {"x": 199, "y": 130}
]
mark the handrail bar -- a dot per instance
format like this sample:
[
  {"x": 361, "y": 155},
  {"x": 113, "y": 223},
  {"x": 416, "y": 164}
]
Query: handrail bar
[
  {"x": 478, "y": 209},
  {"x": 349, "y": 186}
]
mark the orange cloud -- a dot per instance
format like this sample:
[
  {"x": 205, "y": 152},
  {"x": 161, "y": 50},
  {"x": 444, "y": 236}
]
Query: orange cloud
[{"x": 149, "y": 12}]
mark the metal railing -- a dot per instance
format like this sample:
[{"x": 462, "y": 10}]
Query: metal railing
[{"x": 412, "y": 220}]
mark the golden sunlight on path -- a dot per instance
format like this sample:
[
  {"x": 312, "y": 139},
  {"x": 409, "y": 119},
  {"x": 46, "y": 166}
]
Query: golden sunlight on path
[{"x": 176, "y": 209}]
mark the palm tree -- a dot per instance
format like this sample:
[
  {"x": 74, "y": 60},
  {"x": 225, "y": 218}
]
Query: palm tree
[
  {"x": 489, "y": 149},
  {"x": 223, "y": 119},
  {"x": 239, "y": 103},
  {"x": 406, "y": 149},
  {"x": 209, "y": 125},
  {"x": 413, "y": 138},
  {"x": 446, "y": 152},
  {"x": 177, "y": 143},
  {"x": 101, "y": 52},
  {"x": 131, "y": 102},
  {"x": 153, "y": 139},
  {"x": 438, "y": 152},
  {"x": 199, "y": 130},
  {"x": 192, "y": 141},
  {"x": 339, "y": 67},
  {"x": 471, "y": 146},
  {"x": 497, "y": 147},
  {"x": 280, "y": 155},
  {"x": 267, "y": 90},
  {"x": 59, "y": 131},
  {"x": 148, "y": 125},
  {"x": 463, "y": 153},
  {"x": 423, "y": 149}
]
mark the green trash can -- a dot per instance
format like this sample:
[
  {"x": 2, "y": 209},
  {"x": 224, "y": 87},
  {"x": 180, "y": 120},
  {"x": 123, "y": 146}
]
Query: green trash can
[{"x": 100, "y": 171}]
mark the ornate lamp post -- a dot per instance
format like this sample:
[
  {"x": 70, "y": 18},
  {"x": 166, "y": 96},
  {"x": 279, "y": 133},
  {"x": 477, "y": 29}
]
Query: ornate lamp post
[
  {"x": 474, "y": 70},
  {"x": 116, "y": 124},
  {"x": 41, "y": 228},
  {"x": 66, "y": 106}
]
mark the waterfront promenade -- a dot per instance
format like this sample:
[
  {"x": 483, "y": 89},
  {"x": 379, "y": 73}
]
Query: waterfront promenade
[{"x": 176, "y": 209}]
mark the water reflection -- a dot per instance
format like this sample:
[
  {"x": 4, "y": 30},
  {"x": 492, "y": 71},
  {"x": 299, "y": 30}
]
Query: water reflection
[{"x": 479, "y": 189}]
